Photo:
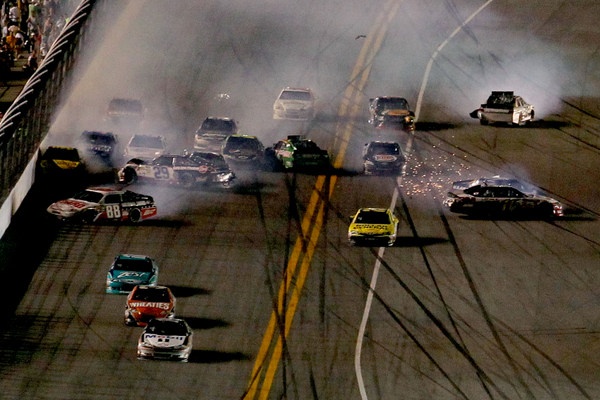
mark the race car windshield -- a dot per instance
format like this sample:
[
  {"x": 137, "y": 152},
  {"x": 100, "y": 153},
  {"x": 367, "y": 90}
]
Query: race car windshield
[
  {"x": 138, "y": 265},
  {"x": 98, "y": 138},
  {"x": 60, "y": 153},
  {"x": 384, "y": 148},
  {"x": 89, "y": 196},
  {"x": 306, "y": 146},
  {"x": 372, "y": 217},
  {"x": 392, "y": 104},
  {"x": 218, "y": 125},
  {"x": 158, "y": 295},
  {"x": 173, "y": 328},
  {"x": 153, "y": 142},
  {"x": 295, "y": 95}
]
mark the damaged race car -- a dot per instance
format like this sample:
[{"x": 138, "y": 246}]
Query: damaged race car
[
  {"x": 212, "y": 133},
  {"x": 104, "y": 204},
  {"x": 298, "y": 153},
  {"x": 502, "y": 201},
  {"x": 495, "y": 180},
  {"x": 504, "y": 107},
  {"x": 186, "y": 170},
  {"x": 391, "y": 112}
]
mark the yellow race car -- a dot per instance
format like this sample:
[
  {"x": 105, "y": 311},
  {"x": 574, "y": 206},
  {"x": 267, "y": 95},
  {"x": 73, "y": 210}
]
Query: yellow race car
[{"x": 373, "y": 225}]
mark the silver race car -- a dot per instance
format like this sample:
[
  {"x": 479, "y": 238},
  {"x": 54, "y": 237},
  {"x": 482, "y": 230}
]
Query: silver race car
[{"x": 502, "y": 201}]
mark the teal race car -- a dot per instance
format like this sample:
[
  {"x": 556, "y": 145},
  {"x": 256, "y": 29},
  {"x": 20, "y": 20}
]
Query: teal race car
[{"x": 129, "y": 270}]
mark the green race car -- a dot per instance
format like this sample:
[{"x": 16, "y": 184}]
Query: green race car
[{"x": 299, "y": 153}]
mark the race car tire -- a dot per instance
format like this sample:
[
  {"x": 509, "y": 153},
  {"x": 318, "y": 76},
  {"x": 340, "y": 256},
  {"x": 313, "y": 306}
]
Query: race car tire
[
  {"x": 484, "y": 121},
  {"x": 187, "y": 180},
  {"x": 129, "y": 176},
  {"x": 510, "y": 207},
  {"x": 546, "y": 210},
  {"x": 89, "y": 216},
  {"x": 135, "y": 215}
]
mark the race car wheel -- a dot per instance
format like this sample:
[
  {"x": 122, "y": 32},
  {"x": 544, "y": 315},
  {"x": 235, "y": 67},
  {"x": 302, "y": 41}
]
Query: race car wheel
[
  {"x": 483, "y": 121},
  {"x": 510, "y": 207},
  {"x": 187, "y": 180},
  {"x": 135, "y": 215},
  {"x": 546, "y": 210},
  {"x": 520, "y": 121},
  {"x": 130, "y": 176},
  {"x": 88, "y": 216}
]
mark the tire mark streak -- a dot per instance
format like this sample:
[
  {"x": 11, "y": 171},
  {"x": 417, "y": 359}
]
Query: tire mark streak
[
  {"x": 481, "y": 305},
  {"x": 437, "y": 323},
  {"x": 413, "y": 229}
]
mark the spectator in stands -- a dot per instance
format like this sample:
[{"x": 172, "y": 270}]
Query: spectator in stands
[
  {"x": 14, "y": 15},
  {"x": 11, "y": 44}
]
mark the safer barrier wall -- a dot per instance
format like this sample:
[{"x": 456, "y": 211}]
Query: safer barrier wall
[{"x": 26, "y": 122}]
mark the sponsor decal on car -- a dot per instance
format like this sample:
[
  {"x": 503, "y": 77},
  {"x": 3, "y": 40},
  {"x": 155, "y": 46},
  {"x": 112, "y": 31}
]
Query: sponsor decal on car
[
  {"x": 74, "y": 203},
  {"x": 384, "y": 157},
  {"x": 150, "y": 304}
]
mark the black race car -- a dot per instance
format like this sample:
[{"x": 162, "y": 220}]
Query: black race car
[
  {"x": 243, "y": 151},
  {"x": 62, "y": 166},
  {"x": 98, "y": 144},
  {"x": 391, "y": 112},
  {"x": 383, "y": 157}
]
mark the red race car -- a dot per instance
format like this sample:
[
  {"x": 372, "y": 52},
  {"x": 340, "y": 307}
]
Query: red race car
[{"x": 147, "y": 302}]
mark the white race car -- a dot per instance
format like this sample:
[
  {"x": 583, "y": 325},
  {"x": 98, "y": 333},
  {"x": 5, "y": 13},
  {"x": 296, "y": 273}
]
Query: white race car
[
  {"x": 504, "y": 107},
  {"x": 166, "y": 339},
  {"x": 294, "y": 103}
]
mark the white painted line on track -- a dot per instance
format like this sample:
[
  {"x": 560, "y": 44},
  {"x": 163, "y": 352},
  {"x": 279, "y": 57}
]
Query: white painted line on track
[
  {"x": 437, "y": 51},
  {"x": 372, "y": 285},
  {"x": 381, "y": 252}
]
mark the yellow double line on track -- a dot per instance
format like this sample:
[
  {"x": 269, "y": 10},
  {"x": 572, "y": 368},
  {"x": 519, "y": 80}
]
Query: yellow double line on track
[{"x": 269, "y": 354}]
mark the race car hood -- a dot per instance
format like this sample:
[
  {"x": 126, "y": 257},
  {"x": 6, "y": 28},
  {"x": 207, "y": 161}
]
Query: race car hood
[
  {"x": 153, "y": 308},
  {"x": 384, "y": 157},
  {"x": 242, "y": 153},
  {"x": 69, "y": 206},
  {"x": 463, "y": 184},
  {"x": 548, "y": 199},
  {"x": 371, "y": 229},
  {"x": 164, "y": 340},
  {"x": 132, "y": 277},
  {"x": 216, "y": 136},
  {"x": 294, "y": 104}
]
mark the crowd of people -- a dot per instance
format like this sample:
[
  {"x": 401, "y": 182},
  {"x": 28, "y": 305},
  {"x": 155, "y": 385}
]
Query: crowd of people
[{"x": 28, "y": 29}]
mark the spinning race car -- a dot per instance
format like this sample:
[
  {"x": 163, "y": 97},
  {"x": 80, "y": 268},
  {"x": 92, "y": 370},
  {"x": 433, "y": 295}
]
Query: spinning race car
[{"x": 104, "y": 203}]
